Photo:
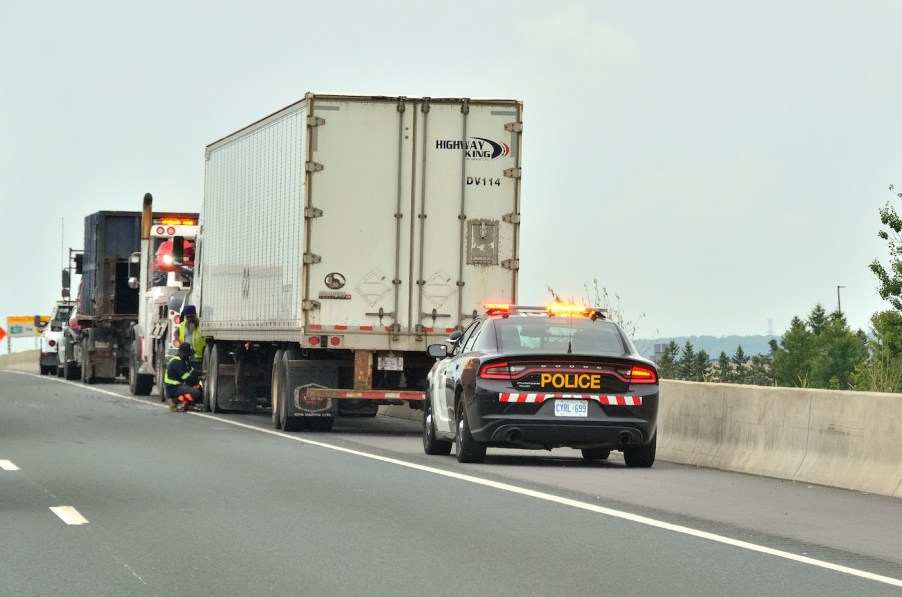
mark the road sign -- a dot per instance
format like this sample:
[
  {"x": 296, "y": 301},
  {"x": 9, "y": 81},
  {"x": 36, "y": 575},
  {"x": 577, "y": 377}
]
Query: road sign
[
  {"x": 22, "y": 325},
  {"x": 2, "y": 334}
]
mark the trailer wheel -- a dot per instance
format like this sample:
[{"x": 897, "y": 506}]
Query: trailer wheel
[
  {"x": 71, "y": 371},
  {"x": 87, "y": 373},
  {"x": 140, "y": 384},
  {"x": 286, "y": 409},
  {"x": 205, "y": 366},
  {"x": 320, "y": 424},
  {"x": 275, "y": 390},
  {"x": 213, "y": 379}
]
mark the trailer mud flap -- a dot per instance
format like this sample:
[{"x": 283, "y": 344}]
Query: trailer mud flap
[{"x": 304, "y": 375}]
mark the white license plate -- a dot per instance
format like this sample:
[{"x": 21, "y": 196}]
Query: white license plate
[
  {"x": 571, "y": 408},
  {"x": 390, "y": 363}
]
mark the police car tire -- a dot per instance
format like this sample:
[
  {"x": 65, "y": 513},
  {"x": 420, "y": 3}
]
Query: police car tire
[
  {"x": 641, "y": 456},
  {"x": 596, "y": 453},
  {"x": 431, "y": 444},
  {"x": 468, "y": 449}
]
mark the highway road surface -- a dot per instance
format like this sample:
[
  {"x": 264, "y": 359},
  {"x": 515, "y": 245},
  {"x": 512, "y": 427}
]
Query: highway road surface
[{"x": 102, "y": 493}]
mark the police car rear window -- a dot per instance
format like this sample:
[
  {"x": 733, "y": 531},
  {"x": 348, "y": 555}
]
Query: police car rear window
[{"x": 553, "y": 335}]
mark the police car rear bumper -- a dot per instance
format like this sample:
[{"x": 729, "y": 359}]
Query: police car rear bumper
[{"x": 495, "y": 423}]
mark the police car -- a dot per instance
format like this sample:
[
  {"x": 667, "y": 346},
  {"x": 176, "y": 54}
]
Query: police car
[{"x": 541, "y": 378}]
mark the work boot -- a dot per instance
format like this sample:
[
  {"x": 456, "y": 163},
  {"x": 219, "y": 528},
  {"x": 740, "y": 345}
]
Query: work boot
[{"x": 171, "y": 403}]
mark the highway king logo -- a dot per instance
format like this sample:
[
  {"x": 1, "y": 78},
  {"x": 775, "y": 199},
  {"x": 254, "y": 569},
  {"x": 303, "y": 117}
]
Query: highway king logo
[{"x": 476, "y": 148}]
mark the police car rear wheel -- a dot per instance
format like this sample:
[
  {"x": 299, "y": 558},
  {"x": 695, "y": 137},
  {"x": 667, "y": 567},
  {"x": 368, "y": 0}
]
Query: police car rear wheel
[
  {"x": 641, "y": 456},
  {"x": 468, "y": 449},
  {"x": 431, "y": 444}
]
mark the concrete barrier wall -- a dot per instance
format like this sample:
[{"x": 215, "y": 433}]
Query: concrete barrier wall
[
  {"x": 26, "y": 360},
  {"x": 840, "y": 439}
]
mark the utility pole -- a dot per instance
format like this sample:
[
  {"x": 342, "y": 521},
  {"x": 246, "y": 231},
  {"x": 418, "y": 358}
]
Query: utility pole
[{"x": 838, "y": 302}]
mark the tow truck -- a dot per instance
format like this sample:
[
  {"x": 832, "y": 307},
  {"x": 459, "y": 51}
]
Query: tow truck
[{"x": 163, "y": 271}]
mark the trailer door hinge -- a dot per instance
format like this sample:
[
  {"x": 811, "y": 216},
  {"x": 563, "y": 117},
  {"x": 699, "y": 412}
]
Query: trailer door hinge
[
  {"x": 315, "y": 121},
  {"x": 513, "y": 264},
  {"x": 513, "y": 172},
  {"x": 514, "y": 127},
  {"x": 311, "y": 258},
  {"x": 313, "y": 167},
  {"x": 309, "y": 305},
  {"x": 511, "y": 218},
  {"x": 312, "y": 212}
]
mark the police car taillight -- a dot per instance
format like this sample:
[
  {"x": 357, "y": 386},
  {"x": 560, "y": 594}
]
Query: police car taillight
[
  {"x": 643, "y": 375},
  {"x": 495, "y": 371}
]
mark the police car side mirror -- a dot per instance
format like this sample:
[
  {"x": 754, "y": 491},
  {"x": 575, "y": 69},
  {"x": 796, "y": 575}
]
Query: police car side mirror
[{"x": 437, "y": 351}]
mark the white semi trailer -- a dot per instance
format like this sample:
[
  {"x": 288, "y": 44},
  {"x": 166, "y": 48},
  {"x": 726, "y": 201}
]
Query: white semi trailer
[{"x": 343, "y": 234}]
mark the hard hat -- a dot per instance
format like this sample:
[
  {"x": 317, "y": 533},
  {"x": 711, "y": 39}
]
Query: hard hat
[{"x": 189, "y": 310}]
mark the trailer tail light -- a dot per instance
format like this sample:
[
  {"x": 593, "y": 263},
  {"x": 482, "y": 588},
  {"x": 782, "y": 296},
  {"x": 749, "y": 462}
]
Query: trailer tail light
[
  {"x": 313, "y": 341},
  {"x": 52, "y": 343},
  {"x": 335, "y": 341}
]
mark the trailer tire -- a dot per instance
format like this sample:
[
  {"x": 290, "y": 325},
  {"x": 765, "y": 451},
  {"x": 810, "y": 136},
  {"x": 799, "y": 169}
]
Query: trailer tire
[
  {"x": 87, "y": 375},
  {"x": 211, "y": 387},
  {"x": 320, "y": 424},
  {"x": 286, "y": 408},
  {"x": 71, "y": 371},
  {"x": 275, "y": 399},
  {"x": 140, "y": 384}
]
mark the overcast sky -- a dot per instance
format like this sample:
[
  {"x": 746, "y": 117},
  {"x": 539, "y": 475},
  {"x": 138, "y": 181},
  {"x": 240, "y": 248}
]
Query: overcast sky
[{"x": 717, "y": 165}]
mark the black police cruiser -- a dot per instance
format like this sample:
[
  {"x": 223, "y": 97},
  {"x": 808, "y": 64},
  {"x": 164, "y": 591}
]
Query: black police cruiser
[{"x": 541, "y": 378}]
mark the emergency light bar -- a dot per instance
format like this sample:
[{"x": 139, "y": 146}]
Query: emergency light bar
[{"x": 571, "y": 309}]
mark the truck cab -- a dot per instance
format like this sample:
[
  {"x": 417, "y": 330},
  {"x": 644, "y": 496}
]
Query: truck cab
[{"x": 163, "y": 272}]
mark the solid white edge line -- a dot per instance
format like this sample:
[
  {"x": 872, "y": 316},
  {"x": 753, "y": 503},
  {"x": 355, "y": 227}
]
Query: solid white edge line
[
  {"x": 8, "y": 465},
  {"x": 538, "y": 495},
  {"x": 69, "y": 515},
  {"x": 581, "y": 505}
]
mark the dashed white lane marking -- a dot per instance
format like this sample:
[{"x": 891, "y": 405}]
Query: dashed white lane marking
[
  {"x": 8, "y": 465},
  {"x": 69, "y": 515},
  {"x": 896, "y": 582}
]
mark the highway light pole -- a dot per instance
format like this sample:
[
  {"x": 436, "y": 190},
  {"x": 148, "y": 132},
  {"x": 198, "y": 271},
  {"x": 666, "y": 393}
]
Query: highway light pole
[{"x": 838, "y": 302}]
